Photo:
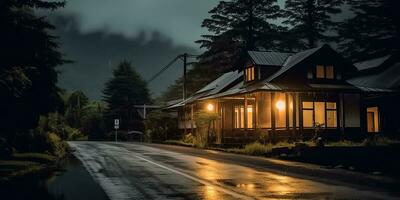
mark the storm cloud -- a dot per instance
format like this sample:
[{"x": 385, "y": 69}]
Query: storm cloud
[{"x": 179, "y": 20}]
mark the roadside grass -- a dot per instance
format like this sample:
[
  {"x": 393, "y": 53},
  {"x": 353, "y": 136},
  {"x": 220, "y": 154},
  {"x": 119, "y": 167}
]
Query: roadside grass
[
  {"x": 178, "y": 142},
  {"x": 20, "y": 164}
]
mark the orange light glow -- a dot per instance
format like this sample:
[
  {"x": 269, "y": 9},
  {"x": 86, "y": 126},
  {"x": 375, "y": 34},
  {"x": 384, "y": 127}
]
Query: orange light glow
[
  {"x": 210, "y": 107},
  {"x": 280, "y": 105}
]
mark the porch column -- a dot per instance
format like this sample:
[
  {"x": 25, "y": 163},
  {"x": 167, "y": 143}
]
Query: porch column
[
  {"x": 256, "y": 96},
  {"x": 294, "y": 108},
  {"x": 273, "y": 126},
  {"x": 245, "y": 112},
  {"x": 287, "y": 110},
  {"x": 184, "y": 120},
  {"x": 342, "y": 115},
  {"x": 191, "y": 118}
]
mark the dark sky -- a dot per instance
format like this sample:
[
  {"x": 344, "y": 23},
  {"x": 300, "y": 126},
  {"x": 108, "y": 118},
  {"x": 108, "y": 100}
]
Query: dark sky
[{"x": 97, "y": 34}]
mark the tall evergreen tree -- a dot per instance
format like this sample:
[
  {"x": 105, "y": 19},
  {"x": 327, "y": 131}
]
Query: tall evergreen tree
[
  {"x": 29, "y": 56},
  {"x": 374, "y": 30},
  {"x": 310, "y": 21},
  {"x": 122, "y": 92},
  {"x": 238, "y": 26},
  {"x": 75, "y": 111}
]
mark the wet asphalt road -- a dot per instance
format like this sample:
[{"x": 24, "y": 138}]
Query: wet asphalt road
[{"x": 137, "y": 171}]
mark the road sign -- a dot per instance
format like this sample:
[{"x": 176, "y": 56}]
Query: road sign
[
  {"x": 116, "y": 126},
  {"x": 116, "y": 122}
]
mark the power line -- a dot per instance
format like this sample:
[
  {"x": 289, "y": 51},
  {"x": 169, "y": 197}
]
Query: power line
[
  {"x": 169, "y": 64},
  {"x": 163, "y": 69}
]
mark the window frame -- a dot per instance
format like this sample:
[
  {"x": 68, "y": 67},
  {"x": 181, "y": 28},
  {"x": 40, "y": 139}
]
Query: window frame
[
  {"x": 250, "y": 73},
  {"x": 325, "y": 126},
  {"x": 325, "y": 72}
]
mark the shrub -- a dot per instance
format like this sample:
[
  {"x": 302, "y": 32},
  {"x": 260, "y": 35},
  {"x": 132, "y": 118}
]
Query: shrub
[
  {"x": 188, "y": 138},
  {"x": 56, "y": 146},
  {"x": 377, "y": 141},
  {"x": 257, "y": 149},
  {"x": 203, "y": 122},
  {"x": 160, "y": 126}
]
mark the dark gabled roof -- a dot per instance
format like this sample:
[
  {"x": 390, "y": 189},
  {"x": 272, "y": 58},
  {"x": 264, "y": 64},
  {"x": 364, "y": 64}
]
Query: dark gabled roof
[
  {"x": 373, "y": 63},
  {"x": 283, "y": 60},
  {"x": 293, "y": 60},
  {"x": 268, "y": 58},
  {"x": 221, "y": 82},
  {"x": 386, "y": 80},
  {"x": 215, "y": 87}
]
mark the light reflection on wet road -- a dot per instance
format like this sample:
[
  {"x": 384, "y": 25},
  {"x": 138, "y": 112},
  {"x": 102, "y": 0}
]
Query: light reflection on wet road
[{"x": 134, "y": 171}]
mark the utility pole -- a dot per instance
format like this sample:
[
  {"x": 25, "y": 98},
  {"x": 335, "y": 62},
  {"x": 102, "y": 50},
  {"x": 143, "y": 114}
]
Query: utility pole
[{"x": 185, "y": 55}]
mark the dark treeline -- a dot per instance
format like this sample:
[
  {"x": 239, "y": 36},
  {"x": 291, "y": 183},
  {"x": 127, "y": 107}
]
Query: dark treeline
[
  {"x": 37, "y": 115},
  {"x": 368, "y": 29}
]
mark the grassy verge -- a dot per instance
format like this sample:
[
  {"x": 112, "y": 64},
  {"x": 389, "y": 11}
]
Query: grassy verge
[
  {"x": 178, "y": 142},
  {"x": 20, "y": 164}
]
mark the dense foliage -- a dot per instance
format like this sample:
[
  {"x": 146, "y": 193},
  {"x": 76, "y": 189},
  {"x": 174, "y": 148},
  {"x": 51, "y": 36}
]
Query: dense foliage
[
  {"x": 374, "y": 30},
  {"x": 237, "y": 26},
  {"x": 29, "y": 56},
  {"x": 122, "y": 92},
  {"x": 310, "y": 21}
]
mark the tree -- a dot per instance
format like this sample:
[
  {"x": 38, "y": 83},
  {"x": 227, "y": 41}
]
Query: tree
[
  {"x": 75, "y": 108},
  {"x": 310, "y": 21},
  {"x": 30, "y": 55},
  {"x": 122, "y": 92},
  {"x": 238, "y": 26},
  {"x": 374, "y": 30},
  {"x": 93, "y": 122}
]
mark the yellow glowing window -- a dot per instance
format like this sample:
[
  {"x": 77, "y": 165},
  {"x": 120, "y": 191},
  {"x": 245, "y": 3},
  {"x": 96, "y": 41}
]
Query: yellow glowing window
[
  {"x": 249, "y": 116},
  {"x": 239, "y": 116},
  {"x": 373, "y": 119},
  {"x": 320, "y": 71},
  {"x": 322, "y": 113},
  {"x": 250, "y": 74},
  {"x": 329, "y": 72}
]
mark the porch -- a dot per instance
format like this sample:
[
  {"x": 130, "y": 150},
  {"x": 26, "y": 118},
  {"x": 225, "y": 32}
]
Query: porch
[{"x": 286, "y": 116}]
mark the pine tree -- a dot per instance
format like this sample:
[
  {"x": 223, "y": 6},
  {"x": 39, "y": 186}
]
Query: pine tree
[
  {"x": 29, "y": 56},
  {"x": 238, "y": 26},
  {"x": 374, "y": 30},
  {"x": 122, "y": 92},
  {"x": 310, "y": 21}
]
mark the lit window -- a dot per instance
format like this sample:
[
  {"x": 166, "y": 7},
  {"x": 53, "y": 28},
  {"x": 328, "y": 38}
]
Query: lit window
[
  {"x": 239, "y": 117},
  {"x": 249, "y": 116},
  {"x": 325, "y": 72},
  {"x": 280, "y": 110},
  {"x": 323, "y": 113},
  {"x": 250, "y": 74},
  {"x": 319, "y": 112},
  {"x": 373, "y": 119},
  {"x": 329, "y": 72},
  {"x": 320, "y": 71}
]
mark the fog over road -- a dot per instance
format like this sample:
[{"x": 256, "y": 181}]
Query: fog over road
[{"x": 139, "y": 171}]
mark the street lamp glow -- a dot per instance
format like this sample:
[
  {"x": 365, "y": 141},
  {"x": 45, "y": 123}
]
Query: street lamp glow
[
  {"x": 210, "y": 107},
  {"x": 280, "y": 105}
]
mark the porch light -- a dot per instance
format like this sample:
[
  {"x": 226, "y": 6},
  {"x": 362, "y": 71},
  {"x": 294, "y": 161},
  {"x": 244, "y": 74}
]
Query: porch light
[
  {"x": 210, "y": 107},
  {"x": 280, "y": 105}
]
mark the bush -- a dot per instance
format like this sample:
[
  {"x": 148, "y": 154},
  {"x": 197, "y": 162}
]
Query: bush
[
  {"x": 203, "y": 122},
  {"x": 257, "y": 149},
  {"x": 188, "y": 138},
  {"x": 377, "y": 141},
  {"x": 160, "y": 126},
  {"x": 56, "y": 146}
]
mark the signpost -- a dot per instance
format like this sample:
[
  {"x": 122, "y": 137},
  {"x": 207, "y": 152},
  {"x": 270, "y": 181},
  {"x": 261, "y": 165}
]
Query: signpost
[{"x": 116, "y": 127}]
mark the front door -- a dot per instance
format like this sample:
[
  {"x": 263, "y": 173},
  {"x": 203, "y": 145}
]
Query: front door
[{"x": 373, "y": 119}]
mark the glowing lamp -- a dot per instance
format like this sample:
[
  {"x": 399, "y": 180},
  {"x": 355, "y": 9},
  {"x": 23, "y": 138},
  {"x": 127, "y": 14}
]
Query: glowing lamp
[
  {"x": 280, "y": 105},
  {"x": 210, "y": 107}
]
